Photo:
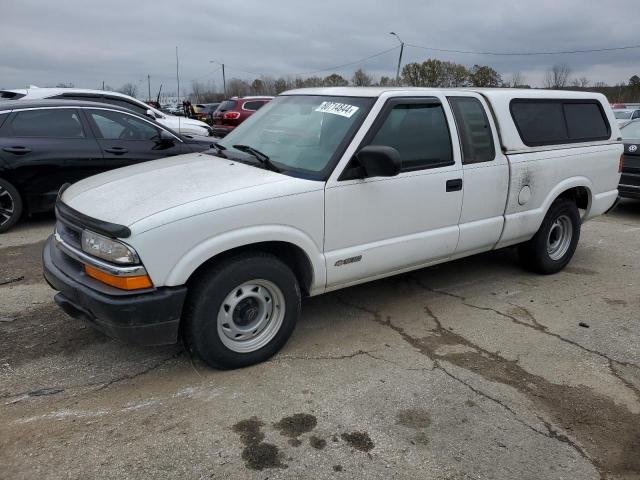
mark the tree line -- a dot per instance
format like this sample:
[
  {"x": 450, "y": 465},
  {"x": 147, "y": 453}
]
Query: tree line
[{"x": 429, "y": 73}]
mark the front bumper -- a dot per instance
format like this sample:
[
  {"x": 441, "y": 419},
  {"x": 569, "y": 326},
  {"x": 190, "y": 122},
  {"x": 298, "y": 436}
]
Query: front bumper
[{"x": 149, "y": 318}]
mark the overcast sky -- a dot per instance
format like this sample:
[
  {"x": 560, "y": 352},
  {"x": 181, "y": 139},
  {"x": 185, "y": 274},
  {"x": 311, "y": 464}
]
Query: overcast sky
[{"x": 117, "y": 41}]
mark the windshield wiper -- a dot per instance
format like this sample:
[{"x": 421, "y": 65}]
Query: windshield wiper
[
  {"x": 219, "y": 149},
  {"x": 264, "y": 159}
]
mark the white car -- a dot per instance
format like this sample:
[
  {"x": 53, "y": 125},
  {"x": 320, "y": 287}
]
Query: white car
[
  {"x": 625, "y": 115},
  {"x": 322, "y": 189},
  {"x": 185, "y": 126}
]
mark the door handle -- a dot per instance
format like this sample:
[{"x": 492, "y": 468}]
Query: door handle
[
  {"x": 17, "y": 150},
  {"x": 116, "y": 150},
  {"x": 454, "y": 185}
]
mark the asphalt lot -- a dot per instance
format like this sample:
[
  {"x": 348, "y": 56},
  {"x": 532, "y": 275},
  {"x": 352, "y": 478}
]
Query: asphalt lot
[{"x": 472, "y": 369}]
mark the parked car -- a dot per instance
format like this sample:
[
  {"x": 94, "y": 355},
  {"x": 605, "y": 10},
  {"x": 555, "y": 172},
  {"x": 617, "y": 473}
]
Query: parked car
[
  {"x": 185, "y": 126},
  {"x": 204, "y": 111},
  {"x": 630, "y": 181},
  {"x": 231, "y": 113},
  {"x": 45, "y": 144},
  {"x": 370, "y": 182},
  {"x": 624, "y": 116}
]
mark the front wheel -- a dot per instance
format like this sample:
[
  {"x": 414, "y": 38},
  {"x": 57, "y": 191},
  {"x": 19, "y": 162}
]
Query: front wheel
[
  {"x": 553, "y": 246},
  {"x": 242, "y": 311}
]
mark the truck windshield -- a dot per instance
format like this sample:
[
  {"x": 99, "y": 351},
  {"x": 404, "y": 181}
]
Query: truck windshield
[{"x": 301, "y": 134}]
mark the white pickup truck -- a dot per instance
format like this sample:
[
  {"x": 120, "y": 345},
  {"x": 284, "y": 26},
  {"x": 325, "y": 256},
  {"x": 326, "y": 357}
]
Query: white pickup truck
[{"x": 322, "y": 189}]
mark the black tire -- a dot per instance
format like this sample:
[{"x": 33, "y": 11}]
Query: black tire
[
  {"x": 535, "y": 254},
  {"x": 208, "y": 294},
  {"x": 10, "y": 206}
]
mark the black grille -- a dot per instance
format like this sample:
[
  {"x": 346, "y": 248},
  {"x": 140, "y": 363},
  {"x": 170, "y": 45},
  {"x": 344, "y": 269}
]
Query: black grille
[{"x": 70, "y": 234}]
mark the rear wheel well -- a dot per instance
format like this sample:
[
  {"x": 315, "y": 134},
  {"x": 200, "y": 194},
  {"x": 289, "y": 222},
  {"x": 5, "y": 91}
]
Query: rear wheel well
[
  {"x": 293, "y": 256},
  {"x": 580, "y": 195}
]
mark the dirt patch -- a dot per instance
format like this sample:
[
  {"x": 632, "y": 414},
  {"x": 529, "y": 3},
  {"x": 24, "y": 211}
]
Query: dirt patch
[
  {"x": 257, "y": 454},
  {"x": 614, "y": 301},
  {"x": 580, "y": 271},
  {"x": 296, "y": 424},
  {"x": 21, "y": 265},
  {"x": 607, "y": 434},
  {"x": 415, "y": 418},
  {"x": 317, "y": 442},
  {"x": 43, "y": 332},
  {"x": 359, "y": 440}
]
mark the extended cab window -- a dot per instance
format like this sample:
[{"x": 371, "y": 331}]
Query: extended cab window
[
  {"x": 474, "y": 128},
  {"x": 47, "y": 123},
  {"x": 554, "y": 122},
  {"x": 121, "y": 126},
  {"x": 419, "y": 132}
]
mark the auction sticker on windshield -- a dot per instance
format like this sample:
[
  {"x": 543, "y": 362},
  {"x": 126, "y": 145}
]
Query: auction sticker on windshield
[{"x": 342, "y": 109}]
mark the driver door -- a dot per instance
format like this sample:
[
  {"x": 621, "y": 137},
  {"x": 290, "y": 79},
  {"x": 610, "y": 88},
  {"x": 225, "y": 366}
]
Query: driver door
[
  {"x": 126, "y": 139},
  {"x": 379, "y": 226}
]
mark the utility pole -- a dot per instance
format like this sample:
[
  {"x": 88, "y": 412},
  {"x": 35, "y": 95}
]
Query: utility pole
[
  {"x": 177, "y": 74},
  {"x": 224, "y": 79},
  {"x": 149, "y": 85},
  {"x": 103, "y": 85},
  {"x": 399, "y": 58}
]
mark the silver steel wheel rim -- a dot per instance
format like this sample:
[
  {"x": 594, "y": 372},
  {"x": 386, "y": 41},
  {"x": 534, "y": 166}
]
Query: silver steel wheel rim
[
  {"x": 7, "y": 206},
  {"x": 559, "y": 238},
  {"x": 251, "y": 315}
]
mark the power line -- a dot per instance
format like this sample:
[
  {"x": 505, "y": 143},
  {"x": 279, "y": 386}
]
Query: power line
[
  {"x": 231, "y": 67},
  {"x": 206, "y": 74},
  {"x": 561, "y": 52},
  {"x": 337, "y": 67}
]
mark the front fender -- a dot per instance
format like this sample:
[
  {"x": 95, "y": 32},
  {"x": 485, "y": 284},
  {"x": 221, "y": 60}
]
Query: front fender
[{"x": 209, "y": 248}]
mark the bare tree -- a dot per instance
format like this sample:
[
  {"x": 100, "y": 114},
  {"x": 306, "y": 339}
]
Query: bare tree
[
  {"x": 517, "y": 81},
  {"x": 237, "y": 87},
  {"x": 582, "y": 82},
  {"x": 557, "y": 76},
  {"x": 129, "y": 89},
  {"x": 204, "y": 93}
]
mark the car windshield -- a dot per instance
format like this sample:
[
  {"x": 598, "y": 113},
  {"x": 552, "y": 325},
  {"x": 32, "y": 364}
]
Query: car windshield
[
  {"x": 302, "y": 133},
  {"x": 623, "y": 114},
  {"x": 631, "y": 131}
]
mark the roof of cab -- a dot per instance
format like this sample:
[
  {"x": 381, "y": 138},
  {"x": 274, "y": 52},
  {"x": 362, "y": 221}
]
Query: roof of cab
[{"x": 487, "y": 92}]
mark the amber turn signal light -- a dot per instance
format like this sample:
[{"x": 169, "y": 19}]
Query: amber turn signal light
[{"x": 123, "y": 283}]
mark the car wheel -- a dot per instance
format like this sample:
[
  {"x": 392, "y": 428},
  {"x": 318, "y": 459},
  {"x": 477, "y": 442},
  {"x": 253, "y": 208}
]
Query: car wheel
[
  {"x": 242, "y": 311},
  {"x": 553, "y": 246},
  {"x": 10, "y": 206}
]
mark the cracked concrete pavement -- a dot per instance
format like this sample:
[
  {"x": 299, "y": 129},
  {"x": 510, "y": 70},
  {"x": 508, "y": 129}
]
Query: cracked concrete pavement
[{"x": 468, "y": 370}]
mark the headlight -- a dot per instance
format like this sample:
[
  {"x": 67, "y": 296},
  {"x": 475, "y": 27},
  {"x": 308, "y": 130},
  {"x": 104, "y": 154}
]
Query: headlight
[{"x": 108, "y": 248}]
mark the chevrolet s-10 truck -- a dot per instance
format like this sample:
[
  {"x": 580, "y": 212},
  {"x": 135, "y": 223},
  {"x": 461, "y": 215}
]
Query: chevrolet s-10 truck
[{"x": 322, "y": 189}]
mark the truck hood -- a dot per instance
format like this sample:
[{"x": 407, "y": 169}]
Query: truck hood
[{"x": 127, "y": 195}]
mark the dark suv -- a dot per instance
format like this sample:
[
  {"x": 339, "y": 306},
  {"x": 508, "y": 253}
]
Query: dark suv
[{"x": 234, "y": 111}]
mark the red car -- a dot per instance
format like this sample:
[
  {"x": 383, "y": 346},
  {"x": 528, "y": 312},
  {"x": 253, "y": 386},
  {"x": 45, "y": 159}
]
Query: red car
[{"x": 234, "y": 111}]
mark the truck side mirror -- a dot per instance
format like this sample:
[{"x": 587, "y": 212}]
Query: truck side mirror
[{"x": 379, "y": 161}]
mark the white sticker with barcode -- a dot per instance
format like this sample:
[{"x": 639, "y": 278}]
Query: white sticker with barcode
[{"x": 342, "y": 109}]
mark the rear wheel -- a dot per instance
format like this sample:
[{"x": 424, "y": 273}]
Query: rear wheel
[
  {"x": 242, "y": 311},
  {"x": 553, "y": 246},
  {"x": 10, "y": 206}
]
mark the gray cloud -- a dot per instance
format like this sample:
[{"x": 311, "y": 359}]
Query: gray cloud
[{"x": 119, "y": 41}]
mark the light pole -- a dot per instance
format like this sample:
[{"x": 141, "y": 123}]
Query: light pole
[
  {"x": 224, "y": 80},
  {"x": 399, "y": 58}
]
